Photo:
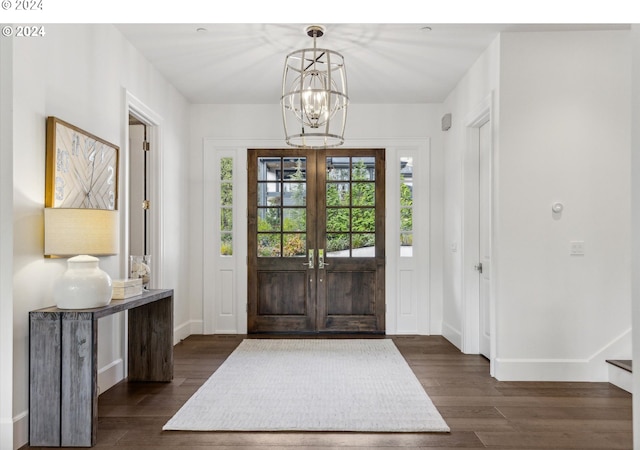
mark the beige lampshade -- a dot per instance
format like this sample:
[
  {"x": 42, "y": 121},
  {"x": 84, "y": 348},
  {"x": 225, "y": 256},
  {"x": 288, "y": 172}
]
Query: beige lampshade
[{"x": 71, "y": 231}]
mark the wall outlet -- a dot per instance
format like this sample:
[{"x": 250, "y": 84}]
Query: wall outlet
[{"x": 577, "y": 248}]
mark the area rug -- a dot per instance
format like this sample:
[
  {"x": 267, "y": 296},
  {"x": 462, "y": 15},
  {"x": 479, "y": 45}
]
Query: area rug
[{"x": 311, "y": 385}]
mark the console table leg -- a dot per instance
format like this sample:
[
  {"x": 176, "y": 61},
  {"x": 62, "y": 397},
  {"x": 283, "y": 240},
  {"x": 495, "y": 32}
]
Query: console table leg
[
  {"x": 79, "y": 403},
  {"x": 44, "y": 379},
  {"x": 151, "y": 342}
]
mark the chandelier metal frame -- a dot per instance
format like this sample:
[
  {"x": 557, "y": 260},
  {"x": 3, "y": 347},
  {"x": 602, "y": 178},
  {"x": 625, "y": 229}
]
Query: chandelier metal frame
[{"x": 314, "y": 96}]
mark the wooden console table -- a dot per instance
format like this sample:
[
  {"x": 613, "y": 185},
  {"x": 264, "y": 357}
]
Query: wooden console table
[{"x": 63, "y": 368}]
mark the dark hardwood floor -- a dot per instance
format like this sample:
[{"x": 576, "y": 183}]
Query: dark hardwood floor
[{"x": 482, "y": 412}]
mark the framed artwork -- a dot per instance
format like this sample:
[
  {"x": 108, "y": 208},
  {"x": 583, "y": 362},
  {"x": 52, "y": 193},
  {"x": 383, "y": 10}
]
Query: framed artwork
[{"x": 81, "y": 169}]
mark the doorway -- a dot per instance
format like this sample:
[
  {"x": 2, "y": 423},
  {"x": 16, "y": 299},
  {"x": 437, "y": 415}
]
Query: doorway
[
  {"x": 478, "y": 314},
  {"x": 139, "y": 186},
  {"x": 316, "y": 251}
]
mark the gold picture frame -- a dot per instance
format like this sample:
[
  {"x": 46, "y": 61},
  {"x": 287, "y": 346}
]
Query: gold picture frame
[{"x": 81, "y": 168}]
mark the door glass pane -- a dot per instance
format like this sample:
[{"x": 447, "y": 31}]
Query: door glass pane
[
  {"x": 406, "y": 219},
  {"x": 269, "y": 168},
  {"x": 269, "y": 219},
  {"x": 269, "y": 244},
  {"x": 337, "y": 219},
  {"x": 364, "y": 219},
  {"x": 294, "y": 169},
  {"x": 338, "y": 245},
  {"x": 406, "y": 244},
  {"x": 338, "y": 168},
  {"x": 269, "y": 194},
  {"x": 363, "y": 245},
  {"x": 295, "y": 219},
  {"x": 226, "y": 169},
  {"x": 337, "y": 194},
  {"x": 364, "y": 194},
  {"x": 294, "y": 245},
  {"x": 226, "y": 219},
  {"x": 226, "y": 244},
  {"x": 226, "y": 194},
  {"x": 363, "y": 168},
  {"x": 295, "y": 194}
]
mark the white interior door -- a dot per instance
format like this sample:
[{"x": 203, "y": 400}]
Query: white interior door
[{"x": 485, "y": 236}]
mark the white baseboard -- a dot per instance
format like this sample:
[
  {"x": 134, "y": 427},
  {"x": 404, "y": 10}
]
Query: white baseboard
[
  {"x": 452, "y": 335},
  {"x": 19, "y": 429},
  {"x": 187, "y": 329},
  {"x": 181, "y": 332},
  {"x": 549, "y": 370},
  {"x": 110, "y": 375},
  {"x": 592, "y": 369}
]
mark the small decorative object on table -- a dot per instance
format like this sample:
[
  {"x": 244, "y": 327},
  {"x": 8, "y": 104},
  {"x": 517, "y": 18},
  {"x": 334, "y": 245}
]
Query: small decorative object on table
[
  {"x": 140, "y": 267},
  {"x": 127, "y": 288}
]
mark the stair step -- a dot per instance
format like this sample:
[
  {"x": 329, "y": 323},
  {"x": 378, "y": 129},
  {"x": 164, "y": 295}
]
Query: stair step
[
  {"x": 620, "y": 374},
  {"x": 624, "y": 364}
]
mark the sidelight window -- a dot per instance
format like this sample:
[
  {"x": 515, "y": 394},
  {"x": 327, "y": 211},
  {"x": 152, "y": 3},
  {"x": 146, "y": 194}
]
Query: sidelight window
[
  {"x": 226, "y": 206},
  {"x": 406, "y": 206}
]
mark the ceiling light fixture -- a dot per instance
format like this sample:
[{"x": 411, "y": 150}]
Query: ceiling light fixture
[{"x": 314, "y": 96}]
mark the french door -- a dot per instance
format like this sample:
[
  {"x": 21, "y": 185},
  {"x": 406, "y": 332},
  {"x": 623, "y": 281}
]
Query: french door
[{"x": 316, "y": 256}]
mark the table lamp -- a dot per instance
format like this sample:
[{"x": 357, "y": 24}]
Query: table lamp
[{"x": 86, "y": 233}]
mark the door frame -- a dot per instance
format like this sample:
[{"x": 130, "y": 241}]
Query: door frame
[
  {"x": 479, "y": 115},
  {"x": 153, "y": 121},
  {"x": 429, "y": 313},
  {"x": 317, "y": 286}
]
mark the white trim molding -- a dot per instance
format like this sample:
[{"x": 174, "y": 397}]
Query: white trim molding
[
  {"x": 110, "y": 375},
  {"x": 238, "y": 147},
  {"x": 141, "y": 111},
  {"x": 482, "y": 113},
  {"x": 7, "y": 429},
  {"x": 452, "y": 334},
  {"x": 593, "y": 368}
]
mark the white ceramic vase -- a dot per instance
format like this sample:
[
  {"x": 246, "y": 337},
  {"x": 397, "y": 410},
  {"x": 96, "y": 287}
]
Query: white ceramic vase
[{"x": 83, "y": 285}]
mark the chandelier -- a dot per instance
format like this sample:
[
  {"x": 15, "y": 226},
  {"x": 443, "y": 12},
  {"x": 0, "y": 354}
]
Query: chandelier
[{"x": 314, "y": 96}]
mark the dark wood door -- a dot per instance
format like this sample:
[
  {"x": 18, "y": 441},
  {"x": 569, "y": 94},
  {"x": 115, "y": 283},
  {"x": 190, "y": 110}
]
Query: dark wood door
[{"x": 316, "y": 241}]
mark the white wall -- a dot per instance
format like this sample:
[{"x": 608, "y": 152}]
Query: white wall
[
  {"x": 79, "y": 73},
  {"x": 364, "y": 122},
  {"x": 635, "y": 223},
  {"x": 561, "y": 124},
  {"x": 480, "y": 82},
  {"x": 564, "y": 136},
  {"x": 6, "y": 243}
]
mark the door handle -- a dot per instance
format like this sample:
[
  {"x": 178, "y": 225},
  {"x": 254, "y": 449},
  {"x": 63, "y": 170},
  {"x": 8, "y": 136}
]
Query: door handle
[
  {"x": 478, "y": 267},
  {"x": 321, "y": 263},
  {"x": 311, "y": 259}
]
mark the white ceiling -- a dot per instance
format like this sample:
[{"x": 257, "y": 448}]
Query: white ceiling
[{"x": 385, "y": 63}]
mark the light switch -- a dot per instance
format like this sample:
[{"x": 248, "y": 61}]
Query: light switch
[
  {"x": 577, "y": 248},
  {"x": 454, "y": 246}
]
